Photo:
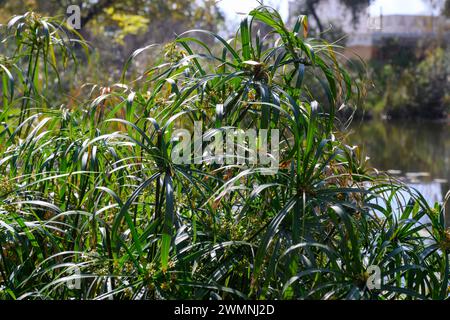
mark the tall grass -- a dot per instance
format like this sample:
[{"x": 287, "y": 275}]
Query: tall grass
[{"x": 90, "y": 196}]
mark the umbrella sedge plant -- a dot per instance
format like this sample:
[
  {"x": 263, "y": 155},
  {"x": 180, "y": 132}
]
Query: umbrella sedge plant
[{"x": 92, "y": 205}]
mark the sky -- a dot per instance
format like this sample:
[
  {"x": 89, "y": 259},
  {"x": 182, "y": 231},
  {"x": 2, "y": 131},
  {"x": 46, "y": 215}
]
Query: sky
[
  {"x": 231, "y": 7},
  {"x": 401, "y": 7}
]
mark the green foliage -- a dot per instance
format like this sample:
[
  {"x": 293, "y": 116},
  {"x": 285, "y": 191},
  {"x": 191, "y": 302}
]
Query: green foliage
[
  {"x": 116, "y": 27},
  {"x": 410, "y": 79},
  {"x": 446, "y": 8},
  {"x": 127, "y": 23},
  {"x": 33, "y": 70},
  {"x": 420, "y": 90},
  {"x": 92, "y": 187}
]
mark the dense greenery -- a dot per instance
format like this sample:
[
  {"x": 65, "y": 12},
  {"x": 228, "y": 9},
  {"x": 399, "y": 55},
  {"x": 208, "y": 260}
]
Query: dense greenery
[
  {"x": 411, "y": 81},
  {"x": 89, "y": 184},
  {"x": 410, "y": 76},
  {"x": 117, "y": 27}
]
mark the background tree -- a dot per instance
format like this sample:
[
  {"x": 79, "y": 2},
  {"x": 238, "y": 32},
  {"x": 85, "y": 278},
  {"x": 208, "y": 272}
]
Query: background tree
[
  {"x": 446, "y": 9},
  {"x": 141, "y": 21},
  {"x": 310, "y": 7}
]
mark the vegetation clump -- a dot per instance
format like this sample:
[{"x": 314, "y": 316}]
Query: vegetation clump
[{"x": 102, "y": 211}]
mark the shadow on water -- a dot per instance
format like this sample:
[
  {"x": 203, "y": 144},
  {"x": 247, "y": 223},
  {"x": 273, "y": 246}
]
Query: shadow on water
[{"x": 418, "y": 152}]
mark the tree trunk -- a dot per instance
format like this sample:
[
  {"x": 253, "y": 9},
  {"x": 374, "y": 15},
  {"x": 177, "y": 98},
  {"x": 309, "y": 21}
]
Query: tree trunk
[{"x": 311, "y": 8}]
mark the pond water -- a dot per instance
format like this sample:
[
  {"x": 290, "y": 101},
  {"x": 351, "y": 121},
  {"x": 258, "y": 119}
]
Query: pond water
[{"x": 418, "y": 152}]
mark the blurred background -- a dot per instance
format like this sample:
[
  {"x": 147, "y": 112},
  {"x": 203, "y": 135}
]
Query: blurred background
[{"x": 398, "y": 48}]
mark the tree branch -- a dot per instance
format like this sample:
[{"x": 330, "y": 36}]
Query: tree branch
[
  {"x": 311, "y": 4},
  {"x": 95, "y": 10}
]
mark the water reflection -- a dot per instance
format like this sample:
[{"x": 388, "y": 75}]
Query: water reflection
[{"x": 418, "y": 152}]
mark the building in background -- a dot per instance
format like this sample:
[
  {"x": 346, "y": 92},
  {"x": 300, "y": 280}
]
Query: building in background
[{"x": 368, "y": 33}]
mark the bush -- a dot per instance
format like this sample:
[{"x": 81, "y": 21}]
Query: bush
[
  {"x": 410, "y": 80},
  {"x": 422, "y": 90},
  {"x": 90, "y": 195}
]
